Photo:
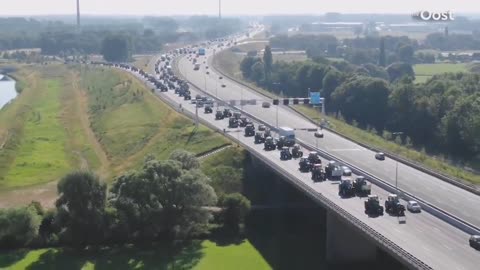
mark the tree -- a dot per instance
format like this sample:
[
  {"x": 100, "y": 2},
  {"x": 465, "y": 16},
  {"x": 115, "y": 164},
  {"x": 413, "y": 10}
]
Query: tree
[
  {"x": 399, "y": 70},
  {"x": 162, "y": 199},
  {"x": 187, "y": 159},
  {"x": 331, "y": 81},
  {"x": 246, "y": 66},
  {"x": 381, "y": 56},
  {"x": 80, "y": 207},
  {"x": 258, "y": 72},
  {"x": 405, "y": 53},
  {"x": 235, "y": 208},
  {"x": 267, "y": 61},
  {"x": 18, "y": 226},
  {"x": 364, "y": 99},
  {"x": 116, "y": 48}
]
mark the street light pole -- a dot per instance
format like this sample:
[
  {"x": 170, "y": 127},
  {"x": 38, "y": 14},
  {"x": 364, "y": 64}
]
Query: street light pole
[{"x": 396, "y": 164}]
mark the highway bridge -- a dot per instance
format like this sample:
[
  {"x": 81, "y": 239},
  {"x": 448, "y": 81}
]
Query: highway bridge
[{"x": 425, "y": 241}]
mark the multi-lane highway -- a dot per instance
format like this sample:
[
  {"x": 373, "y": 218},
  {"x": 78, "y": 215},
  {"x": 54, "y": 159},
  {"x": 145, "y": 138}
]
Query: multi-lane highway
[
  {"x": 448, "y": 197},
  {"x": 432, "y": 241}
]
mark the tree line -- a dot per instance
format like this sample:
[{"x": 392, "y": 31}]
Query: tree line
[
  {"x": 165, "y": 200},
  {"x": 440, "y": 114}
]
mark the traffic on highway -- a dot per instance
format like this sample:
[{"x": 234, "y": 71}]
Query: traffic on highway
[{"x": 421, "y": 234}]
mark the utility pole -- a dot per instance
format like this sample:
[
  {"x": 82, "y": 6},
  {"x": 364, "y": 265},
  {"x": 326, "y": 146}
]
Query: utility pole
[
  {"x": 78, "y": 14},
  {"x": 220, "y": 9}
]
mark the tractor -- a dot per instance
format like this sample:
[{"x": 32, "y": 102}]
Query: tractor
[
  {"x": 393, "y": 206},
  {"x": 227, "y": 113},
  {"x": 243, "y": 121},
  {"x": 372, "y": 206},
  {"x": 237, "y": 115},
  {"x": 305, "y": 165},
  {"x": 259, "y": 138},
  {"x": 232, "y": 122},
  {"x": 249, "y": 130},
  {"x": 318, "y": 174},
  {"x": 362, "y": 186},
  {"x": 285, "y": 154},
  {"x": 346, "y": 189},
  {"x": 208, "y": 109},
  {"x": 281, "y": 142},
  {"x": 219, "y": 115},
  {"x": 314, "y": 158},
  {"x": 269, "y": 144},
  {"x": 296, "y": 152}
]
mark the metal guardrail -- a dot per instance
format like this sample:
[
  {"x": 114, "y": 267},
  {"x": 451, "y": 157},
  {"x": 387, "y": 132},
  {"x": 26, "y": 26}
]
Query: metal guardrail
[{"x": 452, "y": 180}]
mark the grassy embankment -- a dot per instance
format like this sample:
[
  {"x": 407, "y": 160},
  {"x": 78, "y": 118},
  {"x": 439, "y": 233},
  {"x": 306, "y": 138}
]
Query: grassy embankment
[
  {"x": 100, "y": 119},
  {"x": 199, "y": 255},
  {"x": 42, "y": 129},
  {"x": 230, "y": 65},
  {"x": 130, "y": 122}
]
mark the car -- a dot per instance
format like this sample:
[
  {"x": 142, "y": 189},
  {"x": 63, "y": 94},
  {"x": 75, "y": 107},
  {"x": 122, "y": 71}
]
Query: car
[
  {"x": 266, "y": 105},
  {"x": 414, "y": 207},
  {"x": 380, "y": 156},
  {"x": 261, "y": 128},
  {"x": 220, "y": 77},
  {"x": 193, "y": 101},
  {"x": 206, "y": 67},
  {"x": 346, "y": 171},
  {"x": 223, "y": 85},
  {"x": 207, "y": 72},
  {"x": 318, "y": 134},
  {"x": 475, "y": 241}
]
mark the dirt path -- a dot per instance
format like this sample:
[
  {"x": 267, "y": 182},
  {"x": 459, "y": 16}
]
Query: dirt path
[{"x": 82, "y": 99}]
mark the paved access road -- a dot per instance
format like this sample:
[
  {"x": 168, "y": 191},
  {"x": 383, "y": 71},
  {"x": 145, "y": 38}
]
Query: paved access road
[{"x": 450, "y": 198}]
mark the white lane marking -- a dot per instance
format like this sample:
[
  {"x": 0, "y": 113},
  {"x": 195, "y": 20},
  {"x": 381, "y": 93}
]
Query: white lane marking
[
  {"x": 447, "y": 247},
  {"x": 343, "y": 149}
]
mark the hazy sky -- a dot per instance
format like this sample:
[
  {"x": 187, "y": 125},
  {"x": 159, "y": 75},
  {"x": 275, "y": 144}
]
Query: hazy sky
[{"x": 232, "y": 7}]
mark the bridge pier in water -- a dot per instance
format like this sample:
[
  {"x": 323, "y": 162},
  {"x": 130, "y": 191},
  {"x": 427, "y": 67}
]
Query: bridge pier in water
[{"x": 345, "y": 244}]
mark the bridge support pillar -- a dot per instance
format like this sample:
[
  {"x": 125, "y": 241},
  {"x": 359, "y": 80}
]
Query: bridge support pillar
[{"x": 345, "y": 244}]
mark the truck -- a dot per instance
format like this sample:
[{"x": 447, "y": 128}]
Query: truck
[
  {"x": 289, "y": 134},
  {"x": 196, "y": 67},
  {"x": 201, "y": 51}
]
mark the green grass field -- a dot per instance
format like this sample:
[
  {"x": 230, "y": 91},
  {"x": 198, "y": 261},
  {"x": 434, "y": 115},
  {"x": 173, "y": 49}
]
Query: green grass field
[
  {"x": 423, "y": 72},
  {"x": 198, "y": 255},
  {"x": 37, "y": 149}
]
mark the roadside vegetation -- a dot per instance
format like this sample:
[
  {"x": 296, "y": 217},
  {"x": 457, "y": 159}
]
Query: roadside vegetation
[{"x": 371, "y": 101}]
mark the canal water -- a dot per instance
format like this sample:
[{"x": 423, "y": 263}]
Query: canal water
[{"x": 7, "y": 90}]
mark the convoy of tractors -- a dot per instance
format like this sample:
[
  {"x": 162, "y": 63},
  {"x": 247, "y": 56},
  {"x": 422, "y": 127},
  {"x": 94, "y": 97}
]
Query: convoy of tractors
[{"x": 285, "y": 143}]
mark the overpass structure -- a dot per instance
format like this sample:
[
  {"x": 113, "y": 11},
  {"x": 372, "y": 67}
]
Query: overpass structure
[{"x": 434, "y": 239}]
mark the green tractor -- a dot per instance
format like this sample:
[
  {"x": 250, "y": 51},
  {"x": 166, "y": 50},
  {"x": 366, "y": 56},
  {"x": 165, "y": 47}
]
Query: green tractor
[
  {"x": 372, "y": 206},
  {"x": 259, "y": 138},
  {"x": 232, "y": 122},
  {"x": 393, "y": 206},
  {"x": 304, "y": 165},
  {"x": 296, "y": 152},
  {"x": 346, "y": 189},
  {"x": 249, "y": 130},
  {"x": 285, "y": 154},
  {"x": 318, "y": 174},
  {"x": 219, "y": 115},
  {"x": 269, "y": 144}
]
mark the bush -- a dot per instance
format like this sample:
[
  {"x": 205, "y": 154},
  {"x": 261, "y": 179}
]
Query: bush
[{"x": 235, "y": 208}]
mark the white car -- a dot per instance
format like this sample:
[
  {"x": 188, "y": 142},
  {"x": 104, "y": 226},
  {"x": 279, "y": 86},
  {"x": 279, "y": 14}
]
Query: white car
[
  {"x": 346, "y": 171},
  {"x": 413, "y": 206}
]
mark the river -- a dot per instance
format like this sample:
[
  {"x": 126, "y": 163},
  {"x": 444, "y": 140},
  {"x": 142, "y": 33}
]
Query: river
[{"x": 7, "y": 90}]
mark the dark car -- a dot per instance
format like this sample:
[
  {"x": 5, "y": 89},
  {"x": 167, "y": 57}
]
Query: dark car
[
  {"x": 380, "y": 156},
  {"x": 475, "y": 241}
]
